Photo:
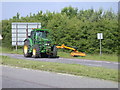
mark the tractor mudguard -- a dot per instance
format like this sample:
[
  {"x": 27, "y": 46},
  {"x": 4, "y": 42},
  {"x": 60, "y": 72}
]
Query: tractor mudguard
[
  {"x": 30, "y": 40},
  {"x": 31, "y": 44}
]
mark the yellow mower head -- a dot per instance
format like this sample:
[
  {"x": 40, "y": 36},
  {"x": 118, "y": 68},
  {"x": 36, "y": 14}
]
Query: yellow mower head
[{"x": 76, "y": 53}]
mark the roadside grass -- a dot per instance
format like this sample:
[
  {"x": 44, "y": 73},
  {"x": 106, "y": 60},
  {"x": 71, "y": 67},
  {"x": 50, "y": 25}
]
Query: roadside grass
[
  {"x": 75, "y": 69},
  {"x": 103, "y": 57},
  {"x": 12, "y": 51}
]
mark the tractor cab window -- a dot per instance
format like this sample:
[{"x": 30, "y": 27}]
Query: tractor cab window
[
  {"x": 41, "y": 34},
  {"x": 32, "y": 34}
]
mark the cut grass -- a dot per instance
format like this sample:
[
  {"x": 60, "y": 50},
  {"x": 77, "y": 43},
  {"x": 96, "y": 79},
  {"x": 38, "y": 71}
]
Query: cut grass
[
  {"x": 75, "y": 69},
  {"x": 104, "y": 57}
]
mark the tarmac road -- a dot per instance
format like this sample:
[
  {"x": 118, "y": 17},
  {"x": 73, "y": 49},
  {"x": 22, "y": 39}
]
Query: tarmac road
[
  {"x": 93, "y": 63},
  {"x": 13, "y": 77}
]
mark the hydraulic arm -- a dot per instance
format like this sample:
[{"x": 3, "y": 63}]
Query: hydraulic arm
[{"x": 75, "y": 53}]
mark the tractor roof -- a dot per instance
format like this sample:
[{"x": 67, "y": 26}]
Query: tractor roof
[{"x": 36, "y": 29}]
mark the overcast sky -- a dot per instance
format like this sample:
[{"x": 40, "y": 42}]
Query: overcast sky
[{"x": 9, "y": 9}]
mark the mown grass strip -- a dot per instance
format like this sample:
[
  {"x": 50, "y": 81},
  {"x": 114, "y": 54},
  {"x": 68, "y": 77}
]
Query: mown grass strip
[{"x": 75, "y": 69}]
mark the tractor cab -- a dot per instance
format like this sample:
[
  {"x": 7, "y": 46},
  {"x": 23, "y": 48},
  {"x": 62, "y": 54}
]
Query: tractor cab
[{"x": 40, "y": 35}]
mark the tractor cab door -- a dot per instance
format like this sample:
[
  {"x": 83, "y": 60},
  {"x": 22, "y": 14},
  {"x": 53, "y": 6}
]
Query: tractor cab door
[{"x": 33, "y": 36}]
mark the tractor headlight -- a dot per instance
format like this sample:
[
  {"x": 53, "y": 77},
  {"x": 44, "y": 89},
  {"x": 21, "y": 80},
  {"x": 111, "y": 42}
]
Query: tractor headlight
[{"x": 47, "y": 44}]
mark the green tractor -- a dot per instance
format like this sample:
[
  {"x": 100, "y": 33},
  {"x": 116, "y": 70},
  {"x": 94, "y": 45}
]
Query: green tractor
[{"x": 39, "y": 45}]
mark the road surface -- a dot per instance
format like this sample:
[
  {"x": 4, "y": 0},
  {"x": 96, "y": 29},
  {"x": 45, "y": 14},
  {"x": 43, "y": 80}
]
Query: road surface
[
  {"x": 13, "y": 77},
  {"x": 93, "y": 63}
]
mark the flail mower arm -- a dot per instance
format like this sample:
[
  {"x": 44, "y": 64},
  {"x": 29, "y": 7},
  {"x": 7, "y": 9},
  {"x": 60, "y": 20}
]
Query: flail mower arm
[{"x": 75, "y": 53}]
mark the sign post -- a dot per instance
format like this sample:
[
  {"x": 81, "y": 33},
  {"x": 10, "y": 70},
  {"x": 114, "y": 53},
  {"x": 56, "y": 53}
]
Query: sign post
[{"x": 100, "y": 36}]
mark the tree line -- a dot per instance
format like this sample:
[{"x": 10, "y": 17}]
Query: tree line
[{"x": 73, "y": 27}]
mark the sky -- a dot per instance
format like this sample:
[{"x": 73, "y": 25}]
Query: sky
[{"x": 9, "y": 9}]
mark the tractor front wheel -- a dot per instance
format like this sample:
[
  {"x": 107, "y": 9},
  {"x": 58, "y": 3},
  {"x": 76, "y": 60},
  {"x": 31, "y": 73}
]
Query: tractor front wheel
[{"x": 36, "y": 51}]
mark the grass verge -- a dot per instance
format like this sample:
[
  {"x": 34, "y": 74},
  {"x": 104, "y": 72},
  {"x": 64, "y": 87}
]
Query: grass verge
[
  {"x": 75, "y": 69},
  {"x": 12, "y": 51},
  {"x": 104, "y": 57}
]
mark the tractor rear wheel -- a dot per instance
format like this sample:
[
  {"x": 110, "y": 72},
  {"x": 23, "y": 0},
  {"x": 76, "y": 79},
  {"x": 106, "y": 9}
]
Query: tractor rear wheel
[
  {"x": 26, "y": 49},
  {"x": 36, "y": 51}
]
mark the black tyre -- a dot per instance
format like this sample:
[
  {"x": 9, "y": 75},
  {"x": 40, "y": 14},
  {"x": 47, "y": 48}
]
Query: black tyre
[
  {"x": 36, "y": 51},
  {"x": 26, "y": 49},
  {"x": 54, "y": 51}
]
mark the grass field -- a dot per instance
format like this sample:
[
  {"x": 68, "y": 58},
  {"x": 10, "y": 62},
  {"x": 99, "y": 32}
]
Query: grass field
[
  {"x": 75, "y": 69},
  {"x": 103, "y": 57}
]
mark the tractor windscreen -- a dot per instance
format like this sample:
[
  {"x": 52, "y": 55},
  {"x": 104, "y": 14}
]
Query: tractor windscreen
[{"x": 42, "y": 34}]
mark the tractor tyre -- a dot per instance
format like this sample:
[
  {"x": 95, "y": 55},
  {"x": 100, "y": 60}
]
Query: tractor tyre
[
  {"x": 36, "y": 51},
  {"x": 54, "y": 51},
  {"x": 26, "y": 49}
]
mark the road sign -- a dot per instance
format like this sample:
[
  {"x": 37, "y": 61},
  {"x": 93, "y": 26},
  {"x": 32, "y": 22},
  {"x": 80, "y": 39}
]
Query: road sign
[
  {"x": 21, "y": 31},
  {"x": 100, "y": 36}
]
